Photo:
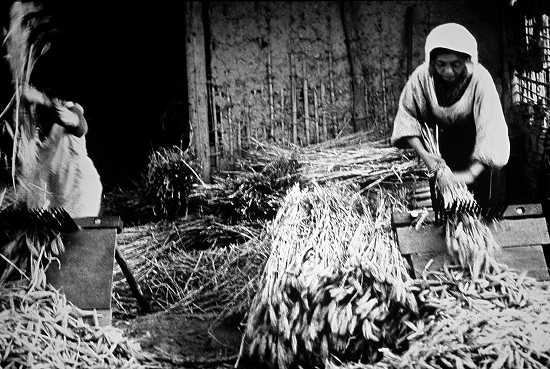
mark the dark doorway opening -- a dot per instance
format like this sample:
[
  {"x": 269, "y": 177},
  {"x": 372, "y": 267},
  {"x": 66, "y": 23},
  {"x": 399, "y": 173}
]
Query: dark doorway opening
[{"x": 125, "y": 63}]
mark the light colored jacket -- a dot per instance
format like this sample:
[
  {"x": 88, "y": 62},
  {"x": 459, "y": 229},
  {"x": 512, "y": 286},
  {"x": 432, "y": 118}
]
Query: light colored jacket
[
  {"x": 478, "y": 107},
  {"x": 63, "y": 176}
]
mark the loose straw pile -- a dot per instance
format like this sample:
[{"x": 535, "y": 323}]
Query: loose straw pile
[
  {"x": 350, "y": 159},
  {"x": 199, "y": 266},
  {"x": 335, "y": 282},
  {"x": 39, "y": 328}
]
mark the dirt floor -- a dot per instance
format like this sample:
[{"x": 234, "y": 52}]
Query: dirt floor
[{"x": 179, "y": 340}]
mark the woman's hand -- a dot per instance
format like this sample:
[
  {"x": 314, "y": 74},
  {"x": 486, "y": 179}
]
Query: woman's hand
[
  {"x": 433, "y": 162},
  {"x": 470, "y": 175},
  {"x": 464, "y": 177},
  {"x": 34, "y": 96},
  {"x": 68, "y": 117}
]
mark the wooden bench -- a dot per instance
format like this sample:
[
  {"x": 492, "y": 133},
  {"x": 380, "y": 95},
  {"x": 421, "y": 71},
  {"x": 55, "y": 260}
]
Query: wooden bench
[{"x": 522, "y": 233}]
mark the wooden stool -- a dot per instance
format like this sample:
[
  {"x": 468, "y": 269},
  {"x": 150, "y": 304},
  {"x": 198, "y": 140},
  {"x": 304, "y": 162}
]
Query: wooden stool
[
  {"x": 522, "y": 233},
  {"x": 86, "y": 273}
]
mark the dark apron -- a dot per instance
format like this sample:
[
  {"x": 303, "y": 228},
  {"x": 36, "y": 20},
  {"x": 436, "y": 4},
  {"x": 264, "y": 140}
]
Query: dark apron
[{"x": 456, "y": 144}]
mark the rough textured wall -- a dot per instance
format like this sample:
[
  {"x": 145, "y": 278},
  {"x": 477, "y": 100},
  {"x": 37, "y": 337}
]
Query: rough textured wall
[
  {"x": 293, "y": 41},
  {"x": 299, "y": 41}
]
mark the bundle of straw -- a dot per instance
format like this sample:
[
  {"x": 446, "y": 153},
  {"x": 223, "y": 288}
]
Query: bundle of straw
[
  {"x": 248, "y": 195},
  {"x": 469, "y": 241},
  {"x": 354, "y": 159},
  {"x": 169, "y": 178},
  {"x": 335, "y": 282},
  {"x": 195, "y": 266},
  {"x": 451, "y": 197},
  {"x": 26, "y": 41},
  {"x": 502, "y": 321},
  {"x": 171, "y": 188},
  {"x": 471, "y": 244}
]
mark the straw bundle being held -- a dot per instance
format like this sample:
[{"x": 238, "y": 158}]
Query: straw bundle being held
[
  {"x": 471, "y": 244},
  {"x": 26, "y": 41},
  {"x": 451, "y": 196},
  {"x": 469, "y": 241},
  {"x": 334, "y": 284}
]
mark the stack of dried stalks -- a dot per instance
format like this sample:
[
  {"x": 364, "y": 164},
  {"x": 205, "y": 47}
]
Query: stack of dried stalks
[
  {"x": 356, "y": 158},
  {"x": 335, "y": 282},
  {"x": 196, "y": 266},
  {"x": 171, "y": 188},
  {"x": 501, "y": 321},
  {"x": 251, "y": 194},
  {"x": 169, "y": 178}
]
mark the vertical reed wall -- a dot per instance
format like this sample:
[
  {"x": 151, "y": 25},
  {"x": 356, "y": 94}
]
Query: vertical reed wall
[{"x": 280, "y": 71}]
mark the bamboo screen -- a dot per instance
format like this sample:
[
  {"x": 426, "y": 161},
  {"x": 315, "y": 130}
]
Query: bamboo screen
[{"x": 531, "y": 85}]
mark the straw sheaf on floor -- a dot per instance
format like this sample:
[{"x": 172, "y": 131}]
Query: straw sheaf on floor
[{"x": 335, "y": 283}]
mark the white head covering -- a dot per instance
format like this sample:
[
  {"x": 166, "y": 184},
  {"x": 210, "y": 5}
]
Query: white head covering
[{"x": 451, "y": 36}]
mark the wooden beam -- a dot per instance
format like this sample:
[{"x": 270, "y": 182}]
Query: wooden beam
[
  {"x": 519, "y": 211},
  {"x": 508, "y": 233},
  {"x": 197, "y": 85},
  {"x": 525, "y": 258}
]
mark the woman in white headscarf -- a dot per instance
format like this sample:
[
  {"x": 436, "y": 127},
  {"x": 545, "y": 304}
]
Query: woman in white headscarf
[{"x": 454, "y": 94}]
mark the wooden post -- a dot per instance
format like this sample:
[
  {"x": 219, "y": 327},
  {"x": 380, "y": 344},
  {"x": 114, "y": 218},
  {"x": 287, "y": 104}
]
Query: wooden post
[
  {"x": 283, "y": 130},
  {"x": 197, "y": 86},
  {"x": 306, "y": 107},
  {"x": 253, "y": 122},
  {"x": 270, "y": 91},
  {"x": 239, "y": 136},
  {"x": 323, "y": 112},
  {"x": 248, "y": 123},
  {"x": 216, "y": 125},
  {"x": 348, "y": 20},
  {"x": 293, "y": 100},
  {"x": 366, "y": 97},
  {"x": 384, "y": 98},
  {"x": 316, "y": 115},
  {"x": 409, "y": 29},
  {"x": 332, "y": 96},
  {"x": 225, "y": 144},
  {"x": 230, "y": 137}
]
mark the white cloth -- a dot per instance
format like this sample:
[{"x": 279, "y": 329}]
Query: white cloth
[
  {"x": 64, "y": 176},
  {"x": 451, "y": 36}
]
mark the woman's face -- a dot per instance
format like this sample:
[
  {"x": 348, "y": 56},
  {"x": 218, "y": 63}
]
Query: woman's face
[{"x": 449, "y": 66}]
